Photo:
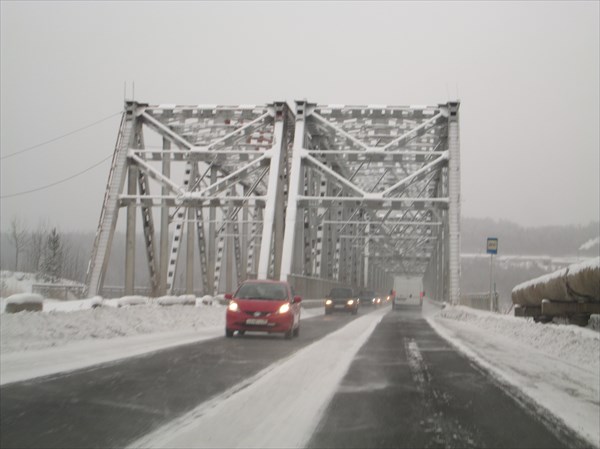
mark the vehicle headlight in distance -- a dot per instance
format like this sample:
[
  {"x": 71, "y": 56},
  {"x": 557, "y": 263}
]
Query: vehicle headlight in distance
[
  {"x": 328, "y": 302},
  {"x": 350, "y": 302},
  {"x": 374, "y": 300},
  {"x": 284, "y": 308},
  {"x": 233, "y": 306}
]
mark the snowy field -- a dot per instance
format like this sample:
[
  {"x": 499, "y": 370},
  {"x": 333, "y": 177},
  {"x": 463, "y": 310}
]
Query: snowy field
[{"x": 555, "y": 366}]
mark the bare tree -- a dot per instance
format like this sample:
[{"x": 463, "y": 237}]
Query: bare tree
[
  {"x": 35, "y": 249},
  {"x": 18, "y": 236},
  {"x": 73, "y": 265}
]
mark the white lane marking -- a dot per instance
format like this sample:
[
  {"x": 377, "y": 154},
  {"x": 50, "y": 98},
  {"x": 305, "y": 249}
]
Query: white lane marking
[
  {"x": 416, "y": 364},
  {"x": 280, "y": 406}
]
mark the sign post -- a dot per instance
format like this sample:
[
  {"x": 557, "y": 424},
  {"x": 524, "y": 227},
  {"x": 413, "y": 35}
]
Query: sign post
[{"x": 492, "y": 249}]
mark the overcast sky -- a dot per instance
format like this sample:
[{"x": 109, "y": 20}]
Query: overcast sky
[{"x": 527, "y": 76}]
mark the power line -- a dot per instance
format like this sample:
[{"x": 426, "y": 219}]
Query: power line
[
  {"x": 57, "y": 182},
  {"x": 59, "y": 137}
]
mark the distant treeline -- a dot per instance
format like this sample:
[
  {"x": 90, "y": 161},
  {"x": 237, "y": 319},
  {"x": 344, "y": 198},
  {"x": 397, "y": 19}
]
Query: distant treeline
[{"x": 513, "y": 239}]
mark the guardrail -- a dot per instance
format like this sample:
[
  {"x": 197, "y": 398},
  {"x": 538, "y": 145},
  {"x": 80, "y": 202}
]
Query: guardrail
[
  {"x": 312, "y": 303},
  {"x": 58, "y": 291},
  {"x": 479, "y": 301},
  {"x": 312, "y": 287}
]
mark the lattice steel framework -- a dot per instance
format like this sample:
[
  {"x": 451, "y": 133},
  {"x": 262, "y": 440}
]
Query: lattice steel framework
[
  {"x": 375, "y": 192},
  {"x": 217, "y": 185}
]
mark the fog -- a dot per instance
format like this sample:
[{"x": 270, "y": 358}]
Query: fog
[{"x": 527, "y": 76}]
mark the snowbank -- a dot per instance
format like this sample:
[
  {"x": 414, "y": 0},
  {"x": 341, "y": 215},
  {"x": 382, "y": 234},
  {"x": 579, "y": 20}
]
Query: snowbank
[
  {"x": 184, "y": 300},
  {"x": 34, "y": 330},
  {"x": 23, "y": 302},
  {"x": 577, "y": 345},
  {"x": 555, "y": 366},
  {"x": 24, "y": 298}
]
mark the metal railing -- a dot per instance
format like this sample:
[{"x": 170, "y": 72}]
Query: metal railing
[{"x": 479, "y": 301}]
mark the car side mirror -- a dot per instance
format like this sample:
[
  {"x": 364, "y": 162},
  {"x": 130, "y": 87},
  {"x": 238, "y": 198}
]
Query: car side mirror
[
  {"x": 297, "y": 300},
  {"x": 228, "y": 296}
]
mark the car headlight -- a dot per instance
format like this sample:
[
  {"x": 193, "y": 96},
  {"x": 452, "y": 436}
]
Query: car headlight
[
  {"x": 350, "y": 302},
  {"x": 233, "y": 306},
  {"x": 328, "y": 302},
  {"x": 285, "y": 308}
]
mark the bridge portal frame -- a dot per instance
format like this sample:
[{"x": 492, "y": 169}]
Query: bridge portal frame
[
  {"x": 373, "y": 192},
  {"x": 235, "y": 161},
  {"x": 389, "y": 197}
]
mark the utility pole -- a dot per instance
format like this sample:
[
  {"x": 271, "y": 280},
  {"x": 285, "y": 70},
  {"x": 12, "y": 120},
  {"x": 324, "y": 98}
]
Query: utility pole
[{"x": 492, "y": 249}]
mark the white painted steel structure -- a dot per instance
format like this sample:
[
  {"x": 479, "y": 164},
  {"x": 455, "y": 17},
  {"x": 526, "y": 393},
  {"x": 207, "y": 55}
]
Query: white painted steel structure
[
  {"x": 335, "y": 195},
  {"x": 228, "y": 193},
  {"x": 374, "y": 193}
]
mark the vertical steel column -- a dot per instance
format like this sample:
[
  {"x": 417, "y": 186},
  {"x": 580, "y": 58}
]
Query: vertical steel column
[
  {"x": 274, "y": 195},
  {"x": 189, "y": 252},
  {"x": 212, "y": 253},
  {"x": 164, "y": 220},
  {"x": 130, "y": 231},
  {"x": 367, "y": 281},
  {"x": 228, "y": 250},
  {"x": 294, "y": 188},
  {"x": 244, "y": 240},
  {"x": 454, "y": 205},
  {"x": 110, "y": 207},
  {"x": 258, "y": 212}
]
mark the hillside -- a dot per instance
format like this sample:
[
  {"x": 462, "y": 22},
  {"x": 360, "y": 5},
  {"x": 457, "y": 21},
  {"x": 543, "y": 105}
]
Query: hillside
[{"x": 524, "y": 253}]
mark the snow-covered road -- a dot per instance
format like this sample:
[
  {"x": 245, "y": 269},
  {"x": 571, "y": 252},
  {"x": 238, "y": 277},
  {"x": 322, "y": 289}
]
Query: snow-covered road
[{"x": 558, "y": 367}]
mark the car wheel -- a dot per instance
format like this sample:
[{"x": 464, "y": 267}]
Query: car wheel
[
  {"x": 241, "y": 332},
  {"x": 355, "y": 311},
  {"x": 288, "y": 335},
  {"x": 297, "y": 331},
  {"x": 327, "y": 312},
  {"x": 228, "y": 333}
]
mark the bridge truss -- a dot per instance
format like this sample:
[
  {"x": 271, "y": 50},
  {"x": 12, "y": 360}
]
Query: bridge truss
[
  {"x": 374, "y": 193},
  {"x": 350, "y": 195}
]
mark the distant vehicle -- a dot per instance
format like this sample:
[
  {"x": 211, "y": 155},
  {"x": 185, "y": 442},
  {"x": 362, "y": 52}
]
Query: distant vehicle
[
  {"x": 263, "y": 306},
  {"x": 341, "y": 298},
  {"x": 402, "y": 299},
  {"x": 369, "y": 298}
]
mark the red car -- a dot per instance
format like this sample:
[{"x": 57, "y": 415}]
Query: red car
[{"x": 263, "y": 306}]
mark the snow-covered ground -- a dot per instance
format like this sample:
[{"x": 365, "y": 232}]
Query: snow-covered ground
[{"x": 557, "y": 366}]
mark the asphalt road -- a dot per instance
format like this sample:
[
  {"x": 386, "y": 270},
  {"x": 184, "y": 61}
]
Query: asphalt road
[
  {"x": 407, "y": 387},
  {"x": 112, "y": 405}
]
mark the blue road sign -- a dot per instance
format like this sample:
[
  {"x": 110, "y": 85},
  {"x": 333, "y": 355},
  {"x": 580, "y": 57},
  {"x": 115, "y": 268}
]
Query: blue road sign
[{"x": 492, "y": 245}]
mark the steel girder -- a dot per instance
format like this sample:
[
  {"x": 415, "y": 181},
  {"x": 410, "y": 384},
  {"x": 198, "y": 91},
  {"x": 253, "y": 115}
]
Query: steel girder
[
  {"x": 366, "y": 192},
  {"x": 375, "y": 192},
  {"x": 217, "y": 170}
]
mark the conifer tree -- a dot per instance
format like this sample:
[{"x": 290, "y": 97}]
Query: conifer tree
[{"x": 52, "y": 262}]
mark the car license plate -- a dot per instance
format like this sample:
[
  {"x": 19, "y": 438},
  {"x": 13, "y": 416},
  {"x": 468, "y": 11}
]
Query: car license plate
[
  {"x": 256, "y": 321},
  {"x": 340, "y": 306}
]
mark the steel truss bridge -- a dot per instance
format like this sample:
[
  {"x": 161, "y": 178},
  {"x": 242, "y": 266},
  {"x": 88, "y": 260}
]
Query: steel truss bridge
[{"x": 321, "y": 195}]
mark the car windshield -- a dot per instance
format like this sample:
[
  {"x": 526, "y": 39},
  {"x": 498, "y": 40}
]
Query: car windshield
[
  {"x": 340, "y": 293},
  {"x": 262, "y": 291}
]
